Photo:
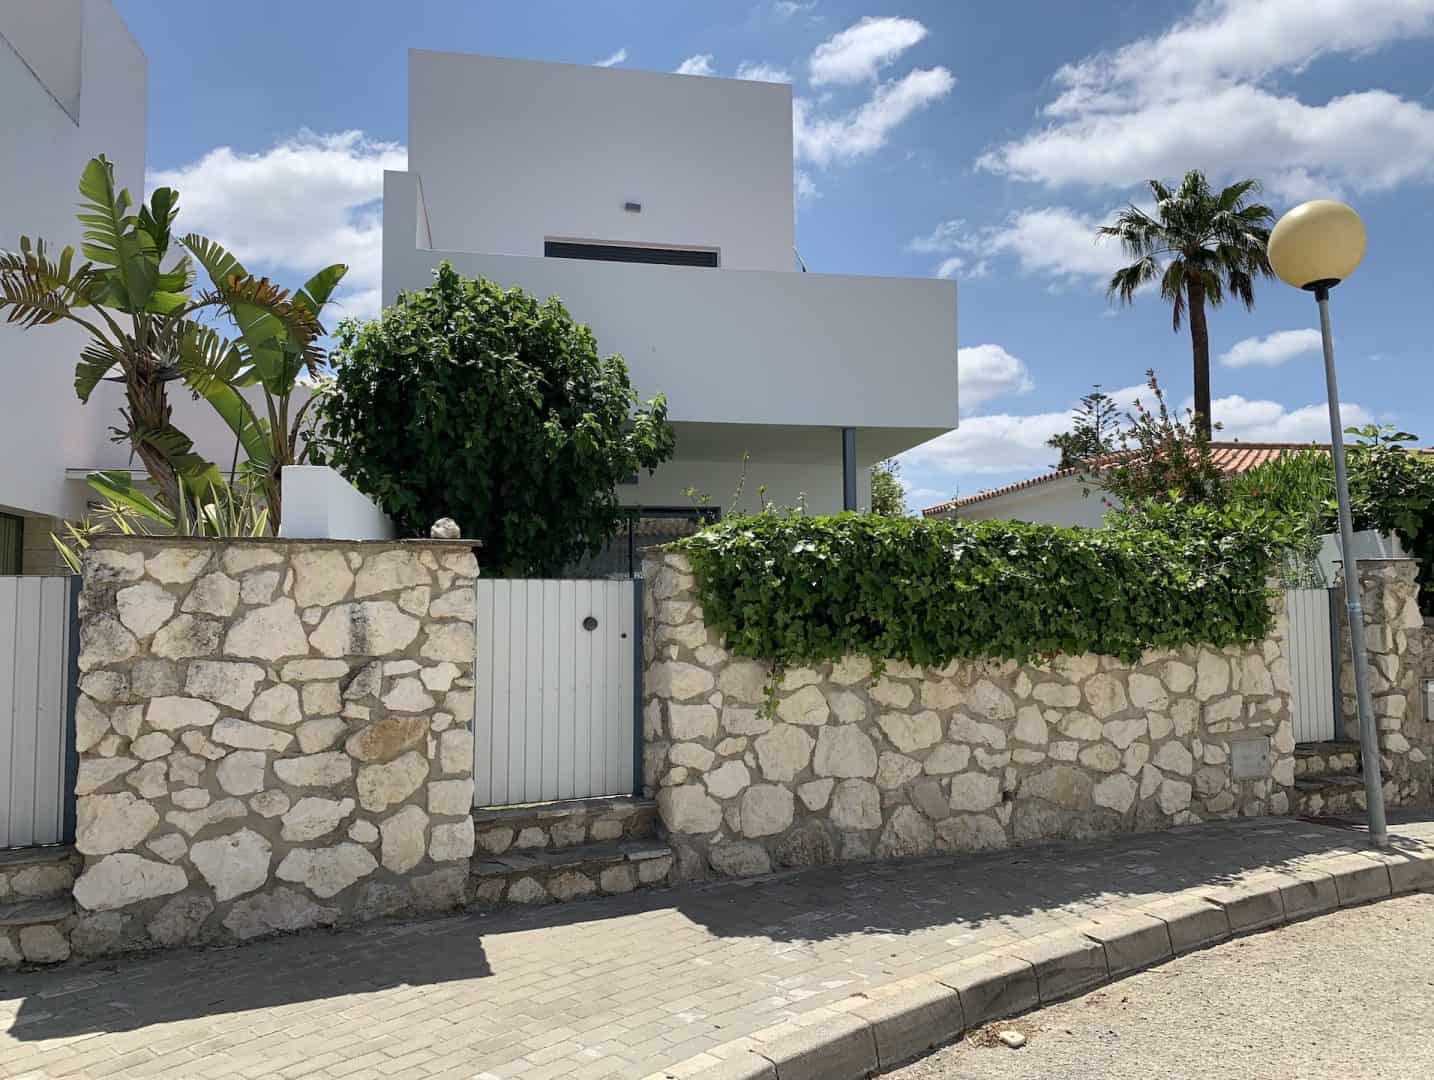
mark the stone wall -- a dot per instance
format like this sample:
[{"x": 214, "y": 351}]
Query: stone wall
[
  {"x": 1401, "y": 653},
  {"x": 969, "y": 756},
  {"x": 272, "y": 735}
]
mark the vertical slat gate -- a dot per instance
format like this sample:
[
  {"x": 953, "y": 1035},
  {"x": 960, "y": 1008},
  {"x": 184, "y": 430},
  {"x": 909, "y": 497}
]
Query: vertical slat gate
[
  {"x": 1311, "y": 669},
  {"x": 555, "y": 700},
  {"x": 36, "y": 796}
]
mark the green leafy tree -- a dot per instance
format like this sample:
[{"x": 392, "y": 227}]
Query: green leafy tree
[
  {"x": 888, "y": 497},
  {"x": 140, "y": 317},
  {"x": 1161, "y": 458},
  {"x": 1200, "y": 245},
  {"x": 484, "y": 404},
  {"x": 1093, "y": 432}
]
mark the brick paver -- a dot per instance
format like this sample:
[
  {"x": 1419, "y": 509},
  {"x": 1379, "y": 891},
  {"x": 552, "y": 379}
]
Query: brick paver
[{"x": 619, "y": 987}]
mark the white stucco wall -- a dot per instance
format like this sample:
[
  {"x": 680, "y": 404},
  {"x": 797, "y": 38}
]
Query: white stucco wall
[
  {"x": 515, "y": 151},
  {"x": 817, "y": 485},
  {"x": 1056, "y": 502},
  {"x": 321, "y": 504},
  {"x": 734, "y": 346},
  {"x": 44, "y": 148}
]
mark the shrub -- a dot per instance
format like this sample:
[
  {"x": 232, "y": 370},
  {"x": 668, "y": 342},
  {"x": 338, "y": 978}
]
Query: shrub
[
  {"x": 1161, "y": 457},
  {"x": 807, "y": 589},
  {"x": 482, "y": 403}
]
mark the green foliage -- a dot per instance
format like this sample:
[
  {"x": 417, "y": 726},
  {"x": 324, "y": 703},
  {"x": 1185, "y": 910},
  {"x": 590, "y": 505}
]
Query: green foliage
[
  {"x": 888, "y": 497},
  {"x": 1162, "y": 458},
  {"x": 484, "y": 404},
  {"x": 1299, "y": 488},
  {"x": 805, "y": 589},
  {"x": 277, "y": 343},
  {"x": 224, "y": 510},
  {"x": 1092, "y": 435},
  {"x": 145, "y": 331},
  {"x": 1392, "y": 489}
]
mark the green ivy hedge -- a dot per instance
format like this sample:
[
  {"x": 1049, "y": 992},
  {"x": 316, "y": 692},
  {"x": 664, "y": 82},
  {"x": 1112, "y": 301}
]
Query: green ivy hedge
[{"x": 805, "y": 589}]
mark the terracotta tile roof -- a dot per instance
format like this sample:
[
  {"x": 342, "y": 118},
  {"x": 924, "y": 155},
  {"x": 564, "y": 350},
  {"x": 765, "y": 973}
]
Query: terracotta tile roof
[{"x": 1231, "y": 457}]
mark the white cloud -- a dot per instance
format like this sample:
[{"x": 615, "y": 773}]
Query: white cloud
[
  {"x": 787, "y": 8},
  {"x": 804, "y": 186},
  {"x": 985, "y": 372},
  {"x": 701, "y": 64},
  {"x": 1203, "y": 91},
  {"x": 950, "y": 267},
  {"x": 1269, "y": 421},
  {"x": 1227, "y": 41},
  {"x": 948, "y": 236},
  {"x": 992, "y": 445},
  {"x": 860, "y": 132},
  {"x": 858, "y": 53},
  {"x": 1272, "y": 350},
  {"x": 1052, "y": 240},
  {"x": 309, "y": 200},
  {"x": 614, "y": 59},
  {"x": 758, "y": 72}
]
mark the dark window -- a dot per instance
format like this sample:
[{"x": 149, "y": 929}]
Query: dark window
[
  {"x": 12, "y": 543},
  {"x": 569, "y": 249}
]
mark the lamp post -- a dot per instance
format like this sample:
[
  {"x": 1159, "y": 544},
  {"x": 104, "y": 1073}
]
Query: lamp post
[{"x": 1314, "y": 247}]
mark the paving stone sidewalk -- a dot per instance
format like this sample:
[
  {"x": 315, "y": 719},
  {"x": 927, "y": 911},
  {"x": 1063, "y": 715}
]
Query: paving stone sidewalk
[{"x": 628, "y": 986}]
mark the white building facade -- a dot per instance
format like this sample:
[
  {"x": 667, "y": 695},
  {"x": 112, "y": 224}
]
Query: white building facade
[
  {"x": 659, "y": 208},
  {"x": 72, "y": 84}
]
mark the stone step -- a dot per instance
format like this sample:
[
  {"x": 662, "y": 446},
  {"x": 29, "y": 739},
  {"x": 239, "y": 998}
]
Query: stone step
[
  {"x": 1329, "y": 795},
  {"x": 543, "y": 877},
  {"x": 37, "y": 872},
  {"x": 21, "y": 913},
  {"x": 35, "y": 931},
  {"x": 1336, "y": 757},
  {"x": 566, "y": 824}
]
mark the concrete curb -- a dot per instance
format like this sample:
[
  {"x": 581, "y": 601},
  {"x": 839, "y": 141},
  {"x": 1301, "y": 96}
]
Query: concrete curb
[{"x": 891, "y": 1024}]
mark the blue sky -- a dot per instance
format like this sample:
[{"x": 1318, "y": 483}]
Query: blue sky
[{"x": 976, "y": 140}]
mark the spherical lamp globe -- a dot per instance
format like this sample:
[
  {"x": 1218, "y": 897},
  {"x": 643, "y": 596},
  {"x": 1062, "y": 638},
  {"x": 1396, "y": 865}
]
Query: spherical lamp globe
[{"x": 1317, "y": 243}]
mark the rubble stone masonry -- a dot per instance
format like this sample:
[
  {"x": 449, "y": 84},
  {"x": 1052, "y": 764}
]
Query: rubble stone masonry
[
  {"x": 272, "y": 734},
  {"x": 976, "y": 754}
]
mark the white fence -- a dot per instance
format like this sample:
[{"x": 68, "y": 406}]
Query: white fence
[
  {"x": 555, "y": 715},
  {"x": 37, "y": 629},
  {"x": 1311, "y": 664}
]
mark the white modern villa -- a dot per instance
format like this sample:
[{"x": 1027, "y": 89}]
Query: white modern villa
[
  {"x": 72, "y": 85},
  {"x": 658, "y": 207}
]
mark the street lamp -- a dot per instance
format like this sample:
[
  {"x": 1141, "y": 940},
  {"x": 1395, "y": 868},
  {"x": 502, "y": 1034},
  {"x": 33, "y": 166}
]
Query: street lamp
[{"x": 1315, "y": 247}]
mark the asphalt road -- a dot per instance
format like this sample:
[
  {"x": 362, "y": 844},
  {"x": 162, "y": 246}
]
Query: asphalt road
[{"x": 1347, "y": 995}]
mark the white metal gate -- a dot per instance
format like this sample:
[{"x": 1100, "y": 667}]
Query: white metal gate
[
  {"x": 37, "y": 646},
  {"x": 556, "y": 715},
  {"x": 1312, "y": 673}
]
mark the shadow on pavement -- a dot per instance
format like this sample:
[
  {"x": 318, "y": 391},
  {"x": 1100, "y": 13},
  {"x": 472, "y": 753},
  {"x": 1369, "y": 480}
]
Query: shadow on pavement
[{"x": 975, "y": 900}]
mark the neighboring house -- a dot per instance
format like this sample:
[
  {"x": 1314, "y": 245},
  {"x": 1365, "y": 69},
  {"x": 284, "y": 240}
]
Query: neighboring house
[
  {"x": 659, "y": 208},
  {"x": 1070, "y": 496},
  {"x": 72, "y": 84}
]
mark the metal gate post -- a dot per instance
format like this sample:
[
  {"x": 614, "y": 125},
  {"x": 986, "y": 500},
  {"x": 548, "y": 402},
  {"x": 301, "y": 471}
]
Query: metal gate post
[
  {"x": 72, "y": 694},
  {"x": 637, "y": 665}
]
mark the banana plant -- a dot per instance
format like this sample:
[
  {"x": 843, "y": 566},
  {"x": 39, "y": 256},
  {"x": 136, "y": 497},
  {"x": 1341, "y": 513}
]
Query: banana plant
[
  {"x": 277, "y": 343},
  {"x": 140, "y": 317}
]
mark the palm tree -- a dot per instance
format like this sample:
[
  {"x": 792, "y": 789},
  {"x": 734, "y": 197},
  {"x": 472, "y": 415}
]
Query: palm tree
[{"x": 1201, "y": 246}]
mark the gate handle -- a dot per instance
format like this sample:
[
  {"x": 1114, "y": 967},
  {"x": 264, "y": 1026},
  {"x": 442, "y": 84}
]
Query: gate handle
[{"x": 590, "y": 624}]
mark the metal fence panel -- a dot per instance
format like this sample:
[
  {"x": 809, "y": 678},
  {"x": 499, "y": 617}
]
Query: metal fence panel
[
  {"x": 554, "y": 712},
  {"x": 1312, "y": 678},
  {"x": 37, "y": 645}
]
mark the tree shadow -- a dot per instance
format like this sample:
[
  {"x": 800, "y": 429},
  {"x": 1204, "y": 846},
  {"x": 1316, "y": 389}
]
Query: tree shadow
[{"x": 943, "y": 906}]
